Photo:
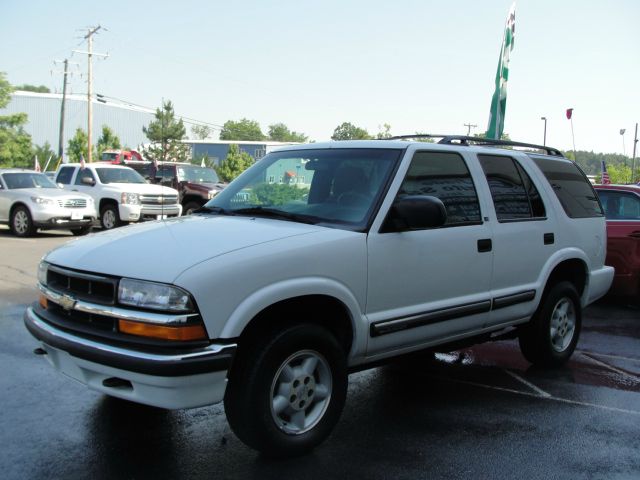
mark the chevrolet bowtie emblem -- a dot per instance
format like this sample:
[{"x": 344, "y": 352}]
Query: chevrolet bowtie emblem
[{"x": 67, "y": 302}]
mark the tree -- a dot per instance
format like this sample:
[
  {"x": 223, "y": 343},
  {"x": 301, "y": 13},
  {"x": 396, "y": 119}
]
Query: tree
[
  {"x": 244, "y": 129},
  {"x": 201, "y": 132},
  {"x": 32, "y": 88},
  {"x": 348, "y": 131},
  {"x": 166, "y": 135},
  {"x": 236, "y": 162},
  {"x": 423, "y": 139},
  {"x": 15, "y": 143},
  {"x": 279, "y": 132},
  {"x": 108, "y": 140},
  {"x": 44, "y": 153},
  {"x": 77, "y": 146},
  {"x": 384, "y": 131},
  {"x": 619, "y": 173}
]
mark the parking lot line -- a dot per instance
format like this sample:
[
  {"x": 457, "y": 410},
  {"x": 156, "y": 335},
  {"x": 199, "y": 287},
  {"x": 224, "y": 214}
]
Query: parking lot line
[
  {"x": 610, "y": 367},
  {"x": 533, "y": 395},
  {"x": 606, "y": 355},
  {"x": 533, "y": 387}
]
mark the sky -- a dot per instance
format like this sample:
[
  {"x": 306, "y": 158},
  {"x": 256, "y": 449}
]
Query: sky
[{"x": 426, "y": 66}]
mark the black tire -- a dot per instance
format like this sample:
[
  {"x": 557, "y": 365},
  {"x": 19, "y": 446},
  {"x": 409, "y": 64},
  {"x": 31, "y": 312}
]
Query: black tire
[
  {"x": 81, "y": 231},
  {"x": 551, "y": 336},
  {"x": 21, "y": 222},
  {"x": 259, "y": 371},
  {"x": 110, "y": 217},
  {"x": 190, "y": 207}
]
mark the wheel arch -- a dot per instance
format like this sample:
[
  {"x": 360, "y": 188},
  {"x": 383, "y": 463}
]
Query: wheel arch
[
  {"x": 15, "y": 206},
  {"x": 574, "y": 270},
  {"x": 107, "y": 201}
]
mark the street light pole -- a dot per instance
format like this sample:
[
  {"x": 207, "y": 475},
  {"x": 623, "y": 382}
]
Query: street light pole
[{"x": 544, "y": 139}]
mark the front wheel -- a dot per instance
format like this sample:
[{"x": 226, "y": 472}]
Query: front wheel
[
  {"x": 552, "y": 334},
  {"x": 110, "y": 217},
  {"x": 81, "y": 230},
  {"x": 21, "y": 222},
  {"x": 190, "y": 207},
  {"x": 287, "y": 392}
]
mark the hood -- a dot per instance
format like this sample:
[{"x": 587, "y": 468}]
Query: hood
[
  {"x": 50, "y": 193},
  {"x": 160, "y": 251},
  {"x": 143, "y": 188}
]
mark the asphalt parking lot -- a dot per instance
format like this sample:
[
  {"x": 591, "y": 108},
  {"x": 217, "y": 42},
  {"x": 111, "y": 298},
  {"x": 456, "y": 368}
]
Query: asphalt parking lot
[{"x": 483, "y": 412}]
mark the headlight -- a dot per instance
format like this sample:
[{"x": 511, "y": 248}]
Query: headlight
[
  {"x": 42, "y": 272},
  {"x": 155, "y": 296},
  {"x": 130, "y": 198},
  {"x": 212, "y": 193},
  {"x": 43, "y": 201}
]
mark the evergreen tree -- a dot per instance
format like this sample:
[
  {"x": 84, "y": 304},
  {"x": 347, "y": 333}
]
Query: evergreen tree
[
  {"x": 166, "y": 135},
  {"x": 236, "y": 162}
]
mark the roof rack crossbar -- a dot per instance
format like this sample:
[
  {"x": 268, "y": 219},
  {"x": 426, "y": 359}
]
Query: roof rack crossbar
[{"x": 466, "y": 140}]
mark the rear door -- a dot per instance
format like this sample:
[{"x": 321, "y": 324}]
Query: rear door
[
  {"x": 428, "y": 285},
  {"x": 524, "y": 237}
]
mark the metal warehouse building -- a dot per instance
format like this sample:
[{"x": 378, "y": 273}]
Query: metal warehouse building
[
  {"x": 43, "y": 110},
  {"x": 126, "y": 121}
]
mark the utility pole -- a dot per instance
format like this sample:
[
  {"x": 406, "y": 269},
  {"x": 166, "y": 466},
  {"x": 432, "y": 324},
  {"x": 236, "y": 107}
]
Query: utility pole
[
  {"x": 64, "y": 100},
  {"x": 633, "y": 162},
  {"x": 469, "y": 126},
  {"x": 89, "y": 37}
]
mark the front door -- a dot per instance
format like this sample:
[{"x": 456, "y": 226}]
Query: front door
[{"x": 431, "y": 284}]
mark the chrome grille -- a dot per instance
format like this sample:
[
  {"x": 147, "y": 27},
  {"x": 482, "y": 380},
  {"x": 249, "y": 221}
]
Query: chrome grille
[
  {"x": 82, "y": 286},
  {"x": 73, "y": 203},
  {"x": 158, "y": 199}
]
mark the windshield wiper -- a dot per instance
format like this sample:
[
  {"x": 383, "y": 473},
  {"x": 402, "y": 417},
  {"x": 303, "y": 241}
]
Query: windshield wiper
[
  {"x": 218, "y": 210},
  {"x": 275, "y": 213}
]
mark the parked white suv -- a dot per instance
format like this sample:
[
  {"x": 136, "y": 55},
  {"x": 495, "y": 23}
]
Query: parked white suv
[
  {"x": 120, "y": 193},
  {"x": 321, "y": 258},
  {"x": 30, "y": 200}
]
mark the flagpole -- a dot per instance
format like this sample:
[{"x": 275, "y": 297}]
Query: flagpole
[
  {"x": 573, "y": 139},
  {"x": 47, "y": 164}
]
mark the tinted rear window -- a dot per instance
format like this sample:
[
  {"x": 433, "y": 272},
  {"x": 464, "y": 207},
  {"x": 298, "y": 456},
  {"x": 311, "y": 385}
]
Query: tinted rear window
[{"x": 571, "y": 186}]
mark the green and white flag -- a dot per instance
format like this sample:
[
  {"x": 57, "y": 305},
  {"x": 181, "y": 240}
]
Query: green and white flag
[{"x": 499, "y": 100}]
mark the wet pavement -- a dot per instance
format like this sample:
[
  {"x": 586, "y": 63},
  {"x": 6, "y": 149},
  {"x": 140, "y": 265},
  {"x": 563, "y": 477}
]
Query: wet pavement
[{"x": 479, "y": 413}]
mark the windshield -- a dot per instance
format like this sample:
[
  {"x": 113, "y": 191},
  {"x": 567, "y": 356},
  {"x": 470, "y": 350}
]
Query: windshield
[
  {"x": 338, "y": 187},
  {"x": 197, "y": 174},
  {"x": 119, "y": 175},
  {"x": 28, "y": 180}
]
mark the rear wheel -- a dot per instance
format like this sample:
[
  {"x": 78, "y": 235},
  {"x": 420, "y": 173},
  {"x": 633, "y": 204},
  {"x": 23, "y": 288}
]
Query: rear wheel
[
  {"x": 109, "y": 217},
  {"x": 21, "y": 222},
  {"x": 287, "y": 392},
  {"x": 552, "y": 334}
]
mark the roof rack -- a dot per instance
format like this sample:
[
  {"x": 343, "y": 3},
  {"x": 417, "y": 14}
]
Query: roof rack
[{"x": 466, "y": 140}]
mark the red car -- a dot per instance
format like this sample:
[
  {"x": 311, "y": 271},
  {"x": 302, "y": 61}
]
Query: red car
[{"x": 621, "y": 205}]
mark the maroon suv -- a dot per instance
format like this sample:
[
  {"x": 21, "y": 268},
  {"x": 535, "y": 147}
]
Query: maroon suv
[
  {"x": 621, "y": 205},
  {"x": 196, "y": 185}
]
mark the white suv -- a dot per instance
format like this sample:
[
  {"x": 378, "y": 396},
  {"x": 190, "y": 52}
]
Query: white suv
[
  {"x": 321, "y": 258},
  {"x": 30, "y": 200},
  {"x": 120, "y": 193}
]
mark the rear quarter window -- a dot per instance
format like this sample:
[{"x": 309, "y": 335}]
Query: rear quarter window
[{"x": 571, "y": 186}]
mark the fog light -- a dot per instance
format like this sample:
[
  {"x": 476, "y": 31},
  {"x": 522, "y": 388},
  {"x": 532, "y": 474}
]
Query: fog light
[
  {"x": 42, "y": 300},
  {"x": 182, "y": 333}
]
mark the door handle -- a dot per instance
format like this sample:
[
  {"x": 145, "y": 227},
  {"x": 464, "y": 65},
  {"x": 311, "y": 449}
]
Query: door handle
[
  {"x": 635, "y": 234},
  {"x": 484, "y": 245}
]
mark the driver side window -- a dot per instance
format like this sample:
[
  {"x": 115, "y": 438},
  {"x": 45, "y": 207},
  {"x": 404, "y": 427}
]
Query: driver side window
[
  {"x": 84, "y": 173},
  {"x": 444, "y": 175}
]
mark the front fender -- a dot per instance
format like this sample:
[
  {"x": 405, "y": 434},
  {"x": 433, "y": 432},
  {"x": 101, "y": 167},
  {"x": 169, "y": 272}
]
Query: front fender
[{"x": 298, "y": 287}]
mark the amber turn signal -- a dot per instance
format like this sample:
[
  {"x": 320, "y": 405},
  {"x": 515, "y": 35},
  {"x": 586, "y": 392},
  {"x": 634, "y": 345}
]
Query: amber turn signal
[
  {"x": 42, "y": 300},
  {"x": 183, "y": 333}
]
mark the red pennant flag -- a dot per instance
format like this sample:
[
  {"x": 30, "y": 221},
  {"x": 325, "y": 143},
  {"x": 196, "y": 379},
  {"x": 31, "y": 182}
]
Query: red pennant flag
[{"x": 569, "y": 113}]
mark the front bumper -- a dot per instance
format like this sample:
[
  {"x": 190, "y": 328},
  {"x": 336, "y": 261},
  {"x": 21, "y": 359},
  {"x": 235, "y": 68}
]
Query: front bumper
[
  {"x": 58, "y": 217},
  {"x": 177, "y": 380}
]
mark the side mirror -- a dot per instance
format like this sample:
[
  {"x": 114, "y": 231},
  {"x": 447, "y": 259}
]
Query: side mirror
[
  {"x": 88, "y": 181},
  {"x": 415, "y": 212}
]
